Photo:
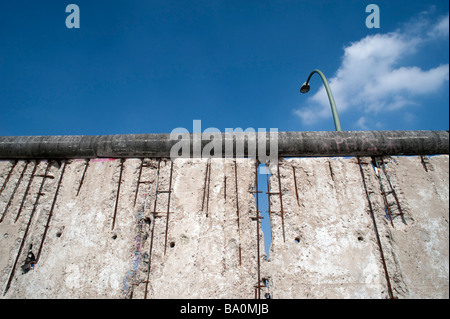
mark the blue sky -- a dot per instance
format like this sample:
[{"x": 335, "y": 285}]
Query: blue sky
[{"x": 152, "y": 66}]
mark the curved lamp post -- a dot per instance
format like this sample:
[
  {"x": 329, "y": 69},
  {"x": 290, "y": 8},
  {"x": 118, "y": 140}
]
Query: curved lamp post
[{"x": 305, "y": 89}]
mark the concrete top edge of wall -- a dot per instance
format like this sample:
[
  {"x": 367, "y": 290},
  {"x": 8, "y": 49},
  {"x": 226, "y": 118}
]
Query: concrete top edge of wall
[{"x": 224, "y": 144}]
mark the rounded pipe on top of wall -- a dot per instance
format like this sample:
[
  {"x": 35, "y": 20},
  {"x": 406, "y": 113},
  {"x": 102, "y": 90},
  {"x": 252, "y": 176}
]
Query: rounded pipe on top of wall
[{"x": 289, "y": 144}]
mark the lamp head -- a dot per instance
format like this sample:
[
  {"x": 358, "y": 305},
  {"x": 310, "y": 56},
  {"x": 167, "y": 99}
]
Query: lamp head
[{"x": 305, "y": 88}]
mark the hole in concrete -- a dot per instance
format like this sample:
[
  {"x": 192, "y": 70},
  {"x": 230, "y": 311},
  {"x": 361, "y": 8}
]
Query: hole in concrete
[
  {"x": 147, "y": 220},
  {"x": 172, "y": 244},
  {"x": 297, "y": 239},
  {"x": 29, "y": 261},
  {"x": 114, "y": 236},
  {"x": 58, "y": 234},
  {"x": 267, "y": 296},
  {"x": 360, "y": 238}
]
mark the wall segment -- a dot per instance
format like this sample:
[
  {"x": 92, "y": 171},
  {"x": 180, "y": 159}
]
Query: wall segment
[
  {"x": 193, "y": 253},
  {"x": 341, "y": 227},
  {"x": 329, "y": 246}
]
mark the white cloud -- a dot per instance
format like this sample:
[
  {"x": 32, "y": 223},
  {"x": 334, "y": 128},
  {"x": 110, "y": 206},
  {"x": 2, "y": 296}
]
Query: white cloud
[
  {"x": 371, "y": 79},
  {"x": 440, "y": 29},
  {"x": 362, "y": 123}
]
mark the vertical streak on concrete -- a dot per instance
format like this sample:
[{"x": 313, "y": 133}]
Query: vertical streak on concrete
[
  {"x": 225, "y": 188},
  {"x": 83, "y": 176},
  {"x": 237, "y": 211},
  {"x": 118, "y": 193},
  {"x": 50, "y": 214},
  {"x": 24, "y": 237},
  {"x": 383, "y": 192},
  {"x": 295, "y": 185},
  {"x": 281, "y": 201},
  {"x": 206, "y": 187},
  {"x": 393, "y": 192},
  {"x": 14, "y": 191},
  {"x": 169, "y": 191},
  {"x": 26, "y": 191},
  {"x": 8, "y": 176},
  {"x": 377, "y": 235},
  {"x": 152, "y": 230},
  {"x": 138, "y": 182}
]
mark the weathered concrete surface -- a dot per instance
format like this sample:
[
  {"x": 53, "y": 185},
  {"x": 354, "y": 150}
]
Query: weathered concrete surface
[
  {"x": 83, "y": 257},
  {"x": 204, "y": 261},
  {"x": 329, "y": 247},
  {"x": 324, "y": 246},
  {"x": 417, "y": 252}
]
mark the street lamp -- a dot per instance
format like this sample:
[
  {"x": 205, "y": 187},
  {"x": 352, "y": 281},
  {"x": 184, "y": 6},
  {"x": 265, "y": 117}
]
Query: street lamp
[{"x": 305, "y": 89}]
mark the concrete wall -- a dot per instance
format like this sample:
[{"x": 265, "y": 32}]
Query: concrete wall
[
  {"x": 330, "y": 248},
  {"x": 95, "y": 241}
]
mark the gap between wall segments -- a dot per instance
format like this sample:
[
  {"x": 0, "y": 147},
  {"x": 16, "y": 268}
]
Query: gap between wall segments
[{"x": 263, "y": 175}]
